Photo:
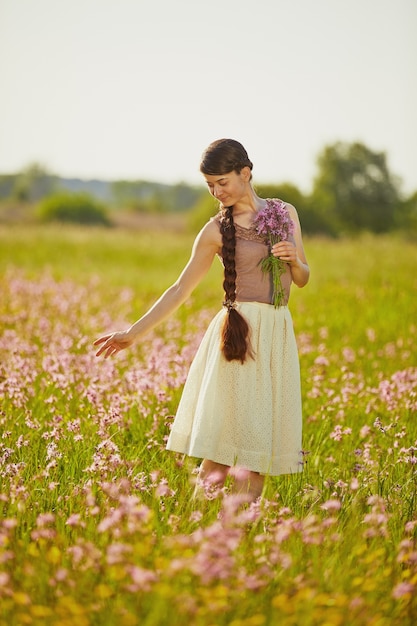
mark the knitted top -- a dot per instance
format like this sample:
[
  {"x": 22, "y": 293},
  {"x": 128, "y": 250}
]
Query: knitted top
[{"x": 252, "y": 284}]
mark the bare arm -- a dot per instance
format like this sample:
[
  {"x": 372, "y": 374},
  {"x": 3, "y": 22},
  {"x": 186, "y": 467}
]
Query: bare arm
[
  {"x": 206, "y": 245},
  {"x": 292, "y": 254}
]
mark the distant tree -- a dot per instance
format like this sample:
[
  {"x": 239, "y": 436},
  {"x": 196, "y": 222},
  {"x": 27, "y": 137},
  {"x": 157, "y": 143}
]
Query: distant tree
[
  {"x": 284, "y": 191},
  {"x": 155, "y": 203},
  {"x": 33, "y": 183},
  {"x": 354, "y": 189},
  {"x": 149, "y": 197},
  {"x": 407, "y": 215},
  {"x": 150, "y": 204},
  {"x": 205, "y": 208},
  {"x": 7, "y": 182},
  {"x": 184, "y": 197},
  {"x": 126, "y": 192},
  {"x": 76, "y": 208}
]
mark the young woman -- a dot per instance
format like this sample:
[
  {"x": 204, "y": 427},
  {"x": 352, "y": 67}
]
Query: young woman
[{"x": 241, "y": 404}]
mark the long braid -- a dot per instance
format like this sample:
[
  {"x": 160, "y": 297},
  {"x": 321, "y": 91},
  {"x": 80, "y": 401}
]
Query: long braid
[
  {"x": 228, "y": 232},
  {"x": 235, "y": 332}
]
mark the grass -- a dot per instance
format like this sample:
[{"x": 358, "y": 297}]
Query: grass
[{"x": 97, "y": 523}]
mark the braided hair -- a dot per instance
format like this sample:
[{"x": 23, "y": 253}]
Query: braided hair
[{"x": 221, "y": 157}]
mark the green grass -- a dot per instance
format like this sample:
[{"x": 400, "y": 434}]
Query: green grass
[{"x": 97, "y": 523}]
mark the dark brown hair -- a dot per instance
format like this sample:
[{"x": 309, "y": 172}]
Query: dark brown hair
[
  {"x": 221, "y": 157},
  {"x": 224, "y": 156}
]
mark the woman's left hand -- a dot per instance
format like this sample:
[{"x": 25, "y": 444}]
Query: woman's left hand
[{"x": 286, "y": 251}]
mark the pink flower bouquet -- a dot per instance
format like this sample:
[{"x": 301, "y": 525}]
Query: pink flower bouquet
[{"x": 276, "y": 225}]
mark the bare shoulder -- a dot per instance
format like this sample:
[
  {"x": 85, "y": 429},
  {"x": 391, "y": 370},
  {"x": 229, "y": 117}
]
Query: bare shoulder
[
  {"x": 210, "y": 235},
  {"x": 292, "y": 210},
  {"x": 211, "y": 231}
]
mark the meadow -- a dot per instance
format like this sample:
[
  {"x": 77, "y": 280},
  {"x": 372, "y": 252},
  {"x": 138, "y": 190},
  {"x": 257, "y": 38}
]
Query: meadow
[{"x": 98, "y": 526}]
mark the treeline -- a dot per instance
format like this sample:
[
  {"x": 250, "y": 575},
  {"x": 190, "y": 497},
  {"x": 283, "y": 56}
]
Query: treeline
[
  {"x": 353, "y": 191},
  {"x": 35, "y": 183}
]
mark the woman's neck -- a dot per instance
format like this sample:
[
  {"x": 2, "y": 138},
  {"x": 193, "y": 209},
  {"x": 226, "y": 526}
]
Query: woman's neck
[{"x": 249, "y": 204}]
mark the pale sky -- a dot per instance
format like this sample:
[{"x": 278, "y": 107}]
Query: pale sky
[{"x": 137, "y": 89}]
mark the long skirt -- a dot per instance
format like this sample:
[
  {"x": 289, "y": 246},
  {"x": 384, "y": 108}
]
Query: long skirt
[{"x": 247, "y": 415}]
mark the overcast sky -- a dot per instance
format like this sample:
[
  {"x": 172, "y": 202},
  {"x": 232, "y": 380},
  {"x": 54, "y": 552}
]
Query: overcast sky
[{"x": 136, "y": 89}]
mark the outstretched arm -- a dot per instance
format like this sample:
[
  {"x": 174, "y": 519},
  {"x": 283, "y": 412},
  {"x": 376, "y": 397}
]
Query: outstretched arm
[{"x": 206, "y": 245}]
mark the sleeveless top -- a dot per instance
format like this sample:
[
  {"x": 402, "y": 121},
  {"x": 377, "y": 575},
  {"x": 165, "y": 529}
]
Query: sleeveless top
[{"x": 252, "y": 284}]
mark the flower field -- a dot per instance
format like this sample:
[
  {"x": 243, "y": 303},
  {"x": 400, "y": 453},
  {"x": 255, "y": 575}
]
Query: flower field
[{"x": 98, "y": 525}]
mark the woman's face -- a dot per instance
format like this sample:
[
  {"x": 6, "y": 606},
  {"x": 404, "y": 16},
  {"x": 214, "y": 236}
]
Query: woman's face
[{"x": 228, "y": 188}]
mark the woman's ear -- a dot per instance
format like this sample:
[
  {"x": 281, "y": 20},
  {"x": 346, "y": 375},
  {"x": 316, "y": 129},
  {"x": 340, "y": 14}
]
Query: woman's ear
[{"x": 246, "y": 174}]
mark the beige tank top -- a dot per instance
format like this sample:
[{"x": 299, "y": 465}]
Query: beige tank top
[{"x": 252, "y": 284}]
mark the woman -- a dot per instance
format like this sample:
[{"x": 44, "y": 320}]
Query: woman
[{"x": 241, "y": 404}]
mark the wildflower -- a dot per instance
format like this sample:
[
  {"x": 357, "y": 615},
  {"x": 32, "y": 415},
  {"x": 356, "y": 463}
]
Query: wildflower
[
  {"x": 285, "y": 510},
  {"x": 75, "y": 520},
  {"x": 61, "y": 574},
  {"x": 312, "y": 531},
  {"x": 142, "y": 579},
  {"x": 371, "y": 334},
  {"x": 321, "y": 360},
  {"x": 9, "y": 522},
  {"x": 348, "y": 354},
  {"x": 354, "y": 484},
  {"x": 44, "y": 519},
  {"x": 410, "y": 526},
  {"x": 377, "y": 519},
  {"x": 43, "y": 533},
  {"x": 163, "y": 489},
  {"x": 378, "y": 424},
  {"x": 403, "y": 589},
  {"x": 364, "y": 431},
  {"x": 110, "y": 521},
  {"x": 339, "y": 432},
  {"x": 6, "y": 555},
  {"x": 21, "y": 442},
  {"x": 196, "y": 516},
  {"x": 331, "y": 505},
  {"x": 117, "y": 552}
]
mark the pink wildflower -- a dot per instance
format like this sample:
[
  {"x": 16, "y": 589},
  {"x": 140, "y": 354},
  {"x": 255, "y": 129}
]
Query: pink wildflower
[
  {"x": 364, "y": 431},
  {"x": 142, "y": 579},
  {"x": 354, "y": 484},
  {"x": 163, "y": 489},
  {"x": 321, "y": 360},
  {"x": 403, "y": 589},
  {"x": 44, "y": 519},
  {"x": 196, "y": 516},
  {"x": 331, "y": 505},
  {"x": 410, "y": 526},
  {"x": 348, "y": 354},
  {"x": 274, "y": 220},
  {"x": 339, "y": 432},
  {"x": 9, "y": 522},
  {"x": 116, "y": 553},
  {"x": 75, "y": 520}
]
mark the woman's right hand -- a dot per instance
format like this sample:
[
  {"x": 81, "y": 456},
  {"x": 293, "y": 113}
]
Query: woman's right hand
[{"x": 113, "y": 343}]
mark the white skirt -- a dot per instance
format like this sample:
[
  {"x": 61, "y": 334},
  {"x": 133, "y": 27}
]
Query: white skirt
[{"x": 249, "y": 414}]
